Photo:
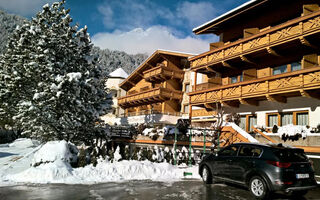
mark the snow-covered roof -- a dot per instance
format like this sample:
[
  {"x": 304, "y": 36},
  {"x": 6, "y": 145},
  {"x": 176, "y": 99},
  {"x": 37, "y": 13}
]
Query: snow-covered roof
[
  {"x": 118, "y": 73},
  {"x": 225, "y": 15}
]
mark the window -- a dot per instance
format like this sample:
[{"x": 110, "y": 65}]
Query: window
[
  {"x": 234, "y": 79},
  {"x": 272, "y": 120},
  {"x": 229, "y": 151},
  {"x": 241, "y": 77},
  {"x": 247, "y": 122},
  {"x": 250, "y": 151},
  {"x": 302, "y": 119},
  {"x": 242, "y": 124},
  {"x": 295, "y": 66},
  {"x": 187, "y": 87},
  {"x": 286, "y": 118},
  {"x": 295, "y": 118},
  {"x": 186, "y": 109},
  {"x": 252, "y": 120},
  {"x": 279, "y": 70}
]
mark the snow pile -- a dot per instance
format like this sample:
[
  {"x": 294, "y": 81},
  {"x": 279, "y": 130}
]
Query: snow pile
[
  {"x": 50, "y": 164},
  {"x": 293, "y": 132},
  {"x": 131, "y": 170},
  {"x": 54, "y": 172},
  {"x": 24, "y": 143},
  {"x": 53, "y": 151},
  {"x": 105, "y": 171}
]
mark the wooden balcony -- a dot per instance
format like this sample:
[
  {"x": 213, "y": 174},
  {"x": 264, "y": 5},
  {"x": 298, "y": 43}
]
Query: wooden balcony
[
  {"x": 202, "y": 112},
  {"x": 304, "y": 82},
  {"x": 203, "y": 86},
  {"x": 302, "y": 31},
  {"x": 162, "y": 73},
  {"x": 154, "y": 95}
]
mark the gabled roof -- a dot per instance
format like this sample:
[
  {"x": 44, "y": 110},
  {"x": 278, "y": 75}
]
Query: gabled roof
[
  {"x": 150, "y": 62},
  {"x": 118, "y": 73},
  {"x": 213, "y": 25}
]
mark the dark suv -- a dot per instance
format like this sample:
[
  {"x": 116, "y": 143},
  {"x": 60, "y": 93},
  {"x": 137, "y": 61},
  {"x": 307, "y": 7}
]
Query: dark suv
[{"x": 263, "y": 168}]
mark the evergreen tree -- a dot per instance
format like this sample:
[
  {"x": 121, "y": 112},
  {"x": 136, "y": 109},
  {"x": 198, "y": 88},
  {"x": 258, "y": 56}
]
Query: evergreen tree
[{"x": 50, "y": 85}]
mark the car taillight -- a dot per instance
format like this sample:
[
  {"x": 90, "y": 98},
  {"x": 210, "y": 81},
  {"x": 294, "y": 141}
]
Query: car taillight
[{"x": 279, "y": 164}]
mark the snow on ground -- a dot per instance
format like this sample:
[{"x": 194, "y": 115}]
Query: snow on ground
[{"x": 55, "y": 167}]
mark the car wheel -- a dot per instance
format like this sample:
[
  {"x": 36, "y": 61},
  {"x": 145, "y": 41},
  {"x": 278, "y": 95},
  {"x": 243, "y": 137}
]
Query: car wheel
[
  {"x": 258, "y": 188},
  {"x": 206, "y": 175}
]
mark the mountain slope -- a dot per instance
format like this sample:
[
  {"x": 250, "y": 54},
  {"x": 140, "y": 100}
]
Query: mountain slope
[{"x": 110, "y": 60}]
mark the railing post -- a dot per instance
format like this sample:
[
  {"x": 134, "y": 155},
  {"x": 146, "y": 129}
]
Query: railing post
[
  {"x": 204, "y": 141},
  {"x": 175, "y": 146},
  {"x": 190, "y": 139}
]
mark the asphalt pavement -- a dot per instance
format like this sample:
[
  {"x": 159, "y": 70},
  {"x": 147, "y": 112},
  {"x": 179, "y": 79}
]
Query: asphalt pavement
[{"x": 135, "y": 190}]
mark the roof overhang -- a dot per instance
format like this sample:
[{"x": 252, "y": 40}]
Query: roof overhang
[
  {"x": 213, "y": 25},
  {"x": 136, "y": 75}
]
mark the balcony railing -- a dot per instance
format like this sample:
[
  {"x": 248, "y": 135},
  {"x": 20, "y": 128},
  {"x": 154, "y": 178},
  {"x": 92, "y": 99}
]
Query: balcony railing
[
  {"x": 161, "y": 73},
  {"x": 202, "y": 112},
  {"x": 299, "y": 81},
  {"x": 296, "y": 29},
  {"x": 148, "y": 97},
  {"x": 203, "y": 86},
  {"x": 149, "y": 112}
]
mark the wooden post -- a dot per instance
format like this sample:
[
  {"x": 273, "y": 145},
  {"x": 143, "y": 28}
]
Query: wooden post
[{"x": 195, "y": 81}]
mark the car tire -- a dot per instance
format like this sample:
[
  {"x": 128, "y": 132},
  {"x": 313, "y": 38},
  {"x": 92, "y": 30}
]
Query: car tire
[
  {"x": 258, "y": 188},
  {"x": 206, "y": 175}
]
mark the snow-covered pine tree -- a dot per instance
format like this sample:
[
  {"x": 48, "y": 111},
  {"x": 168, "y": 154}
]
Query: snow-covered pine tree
[{"x": 50, "y": 85}]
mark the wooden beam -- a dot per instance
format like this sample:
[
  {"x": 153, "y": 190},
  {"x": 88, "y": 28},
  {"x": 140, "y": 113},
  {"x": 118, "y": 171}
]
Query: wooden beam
[
  {"x": 307, "y": 43},
  {"x": 210, "y": 106},
  {"x": 210, "y": 69},
  {"x": 249, "y": 102},
  {"x": 233, "y": 104},
  {"x": 141, "y": 75},
  {"x": 133, "y": 84},
  {"x": 225, "y": 64},
  {"x": 274, "y": 98},
  {"x": 310, "y": 94},
  {"x": 245, "y": 59},
  {"x": 272, "y": 52}
]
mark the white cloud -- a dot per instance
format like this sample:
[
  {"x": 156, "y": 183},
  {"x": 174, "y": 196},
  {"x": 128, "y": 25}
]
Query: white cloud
[
  {"x": 129, "y": 14},
  {"x": 23, "y": 7},
  {"x": 196, "y": 13},
  {"x": 147, "y": 41}
]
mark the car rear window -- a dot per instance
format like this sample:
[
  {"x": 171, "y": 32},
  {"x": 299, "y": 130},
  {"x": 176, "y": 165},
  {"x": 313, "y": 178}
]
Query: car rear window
[
  {"x": 291, "y": 155},
  {"x": 250, "y": 151}
]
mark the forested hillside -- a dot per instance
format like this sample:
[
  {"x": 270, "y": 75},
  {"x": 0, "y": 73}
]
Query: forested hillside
[{"x": 110, "y": 60}]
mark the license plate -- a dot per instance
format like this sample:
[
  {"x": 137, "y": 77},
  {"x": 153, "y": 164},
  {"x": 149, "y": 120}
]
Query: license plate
[{"x": 299, "y": 176}]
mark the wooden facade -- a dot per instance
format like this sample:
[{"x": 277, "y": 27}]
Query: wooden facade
[
  {"x": 156, "y": 85},
  {"x": 273, "y": 60}
]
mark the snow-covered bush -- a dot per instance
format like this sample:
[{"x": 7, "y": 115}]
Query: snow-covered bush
[
  {"x": 117, "y": 157},
  {"x": 293, "y": 132},
  {"x": 55, "y": 150}
]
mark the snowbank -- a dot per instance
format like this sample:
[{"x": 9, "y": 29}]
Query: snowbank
[
  {"x": 105, "y": 171},
  {"x": 52, "y": 151},
  {"x": 53, "y": 167},
  {"x": 24, "y": 143}
]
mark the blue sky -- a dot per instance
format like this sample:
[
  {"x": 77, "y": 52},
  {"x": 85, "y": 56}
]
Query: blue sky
[{"x": 138, "y": 26}]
